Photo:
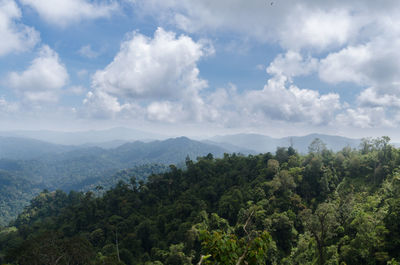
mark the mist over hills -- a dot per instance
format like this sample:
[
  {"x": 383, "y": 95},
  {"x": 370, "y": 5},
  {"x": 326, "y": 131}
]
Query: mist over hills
[
  {"x": 262, "y": 143},
  {"x": 29, "y": 165},
  {"x": 91, "y": 137},
  {"x": 53, "y": 166},
  {"x": 115, "y": 137},
  {"x": 25, "y": 148}
]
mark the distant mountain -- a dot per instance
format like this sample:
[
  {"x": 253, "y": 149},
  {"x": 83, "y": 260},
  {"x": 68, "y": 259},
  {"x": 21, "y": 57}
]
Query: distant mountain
[
  {"x": 59, "y": 169},
  {"x": 257, "y": 142},
  {"x": 334, "y": 143},
  {"x": 170, "y": 151},
  {"x": 37, "y": 165},
  {"x": 106, "y": 145},
  {"x": 262, "y": 143},
  {"x": 23, "y": 148},
  {"x": 86, "y": 137},
  {"x": 231, "y": 147}
]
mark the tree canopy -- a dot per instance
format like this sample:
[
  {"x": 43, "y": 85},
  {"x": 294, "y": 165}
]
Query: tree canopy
[{"x": 287, "y": 208}]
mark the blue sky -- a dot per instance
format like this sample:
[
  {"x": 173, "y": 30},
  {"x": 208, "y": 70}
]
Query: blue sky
[{"x": 203, "y": 67}]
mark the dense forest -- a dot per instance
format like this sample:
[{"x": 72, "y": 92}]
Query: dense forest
[
  {"x": 82, "y": 168},
  {"x": 283, "y": 208},
  {"x": 16, "y": 191}
]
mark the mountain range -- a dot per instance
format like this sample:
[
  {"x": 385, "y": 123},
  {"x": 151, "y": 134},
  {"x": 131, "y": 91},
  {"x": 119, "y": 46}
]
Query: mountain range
[
  {"x": 91, "y": 137},
  {"x": 258, "y": 143},
  {"x": 29, "y": 165}
]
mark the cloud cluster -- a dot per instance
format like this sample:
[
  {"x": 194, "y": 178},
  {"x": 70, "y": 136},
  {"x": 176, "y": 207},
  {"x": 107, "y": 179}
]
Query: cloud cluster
[
  {"x": 64, "y": 12},
  {"x": 352, "y": 42},
  {"x": 279, "y": 102},
  {"x": 293, "y": 24},
  {"x": 15, "y": 37},
  {"x": 157, "y": 78},
  {"x": 160, "y": 74},
  {"x": 42, "y": 81},
  {"x": 292, "y": 64}
]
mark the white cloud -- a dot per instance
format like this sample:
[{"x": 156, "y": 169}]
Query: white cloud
[
  {"x": 376, "y": 63},
  {"x": 226, "y": 107},
  {"x": 278, "y": 102},
  {"x": 159, "y": 73},
  {"x": 64, "y": 12},
  {"x": 163, "y": 111},
  {"x": 42, "y": 80},
  {"x": 15, "y": 37},
  {"x": 293, "y": 24},
  {"x": 364, "y": 118},
  {"x": 371, "y": 97},
  {"x": 374, "y": 66},
  {"x": 346, "y": 65},
  {"x": 318, "y": 29},
  {"x": 101, "y": 105},
  {"x": 162, "y": 67},
  {"x": 292, "y": 64},
  {"x": 158, "y": 78},
  {"x": 88, "y": 52},
  {"x": 7, "y": 107}
]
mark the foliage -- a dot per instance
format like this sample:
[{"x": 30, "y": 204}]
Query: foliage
[{"x": 319, "y": 208}]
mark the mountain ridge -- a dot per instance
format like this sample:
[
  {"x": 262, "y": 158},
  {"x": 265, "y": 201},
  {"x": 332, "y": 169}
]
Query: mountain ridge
[{"x": 263, "y": 143}]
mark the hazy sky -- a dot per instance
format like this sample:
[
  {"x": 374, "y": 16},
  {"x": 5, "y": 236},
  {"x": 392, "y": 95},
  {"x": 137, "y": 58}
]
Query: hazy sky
[{"x": 282, "y": 67}]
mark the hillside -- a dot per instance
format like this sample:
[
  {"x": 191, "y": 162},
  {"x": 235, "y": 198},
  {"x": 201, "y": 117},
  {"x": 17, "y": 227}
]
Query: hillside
[
  {"x": 287, "y": 208},
  {"x": 83, "y": 168},
  {"x": 15, "y": 194},
  {"x": 57, "y": 170}
]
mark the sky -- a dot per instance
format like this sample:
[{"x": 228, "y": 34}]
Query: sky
[{"x": 204, "y": 67}]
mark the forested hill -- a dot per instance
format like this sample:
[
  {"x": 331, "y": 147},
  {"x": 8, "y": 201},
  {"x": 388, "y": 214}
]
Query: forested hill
[
  {"x": 50, "y": 166},
  {"x": 319, "y": 208},
  {"x": 68, "y": 169}
]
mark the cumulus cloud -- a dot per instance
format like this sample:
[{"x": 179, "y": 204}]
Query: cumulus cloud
[
  {"x": 279, "y": 102},
  {"x": 64, "y": 12},
  {"x": 101, "y": 105},
  {"x": 293, "y": 24},
  {"x": 371, "y": 97},
  {"x": 42, "y": 80},
  {"x": 15, "y": 37},
  {"x": 364, "y": 118},
  {"x": 374, "y": 66},
  {"x": 374, "y": 63},
  {"x": 346, "y": 65},
  {"x": 319, "y": 29},
  {"x": 158, "y": 78},
  {"x": 292, "y": 64},
  {"x": 342, "y": 41},
  {"x": 158, "y": 73},
  {"x": 162, "y": 67}
]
